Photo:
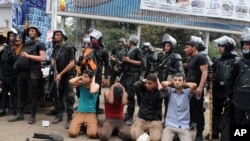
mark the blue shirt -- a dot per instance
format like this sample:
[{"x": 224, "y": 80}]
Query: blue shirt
[
  {"x": 178, "y": 114},
  {"x": 87, "y": 102}
]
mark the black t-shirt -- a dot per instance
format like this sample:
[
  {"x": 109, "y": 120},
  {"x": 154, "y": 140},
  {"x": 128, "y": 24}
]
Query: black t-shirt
[
  {"x": 39, "y": 46},
  {"x": 151, "y": 102},
  {"x": 193, "y": 68},
  {"x": 134, "y": 54},
  {"x": 116, "y": 52},
  {"x": 63, "y": 55}
]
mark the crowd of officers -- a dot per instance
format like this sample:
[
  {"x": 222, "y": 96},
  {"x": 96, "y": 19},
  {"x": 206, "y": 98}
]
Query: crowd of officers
[{"x": 21, "y": 74}]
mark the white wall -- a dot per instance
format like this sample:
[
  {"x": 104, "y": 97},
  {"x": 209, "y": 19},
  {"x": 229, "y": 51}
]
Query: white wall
[{"x": 5, "y": 13}]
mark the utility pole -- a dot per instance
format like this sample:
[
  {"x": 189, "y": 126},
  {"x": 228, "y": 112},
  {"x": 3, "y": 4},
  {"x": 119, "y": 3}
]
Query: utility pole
[{"x": 54, "y": 14}]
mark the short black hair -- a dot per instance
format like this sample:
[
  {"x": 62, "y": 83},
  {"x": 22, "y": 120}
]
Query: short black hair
[
  {"x": 90, "y": 73},
  {"x": 192, "y": 43},
  {"x": 152, "y": 77},
  {"x": 117, "y": 91},
  {"x": 180, "y": 75}
]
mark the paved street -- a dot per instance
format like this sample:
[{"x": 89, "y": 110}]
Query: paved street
[{"x": 19, "y": 131}]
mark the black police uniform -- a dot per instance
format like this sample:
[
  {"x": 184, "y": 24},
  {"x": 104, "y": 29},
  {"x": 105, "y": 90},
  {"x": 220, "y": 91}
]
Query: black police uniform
[
  {"x": 29, "y": 77},
  {"x": 169, "y": 64},
  {"x": 62, "y": 56},
  {"x": 131, "y": 74},
  {"x": 102, "y": 59},
  {"x": 116, "y": 52},
  {"x": 149, "y": 63},
  {"x": 8, "y": 77},
  {"x": 221, "y": 71}
]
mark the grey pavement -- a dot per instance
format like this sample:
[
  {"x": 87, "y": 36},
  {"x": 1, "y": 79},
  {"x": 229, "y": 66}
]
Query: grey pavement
[{"x": 20, "y": 130}]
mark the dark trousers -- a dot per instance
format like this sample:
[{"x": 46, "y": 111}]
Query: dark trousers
[
  {"x": 64, "y": 95},
  {"x": 113, "y": 75},
  {"x": 239, "y": 116},
  {"x": 163, "y": 75},
  {"x": 128, "y": 79},
  {"x": 9, "y": 86},
  {"x": 28, "y": 88},
  {"x": 98, "y": 80},
  {"x": 217, "y": 113},
  {"x": 197, "y": 113}
]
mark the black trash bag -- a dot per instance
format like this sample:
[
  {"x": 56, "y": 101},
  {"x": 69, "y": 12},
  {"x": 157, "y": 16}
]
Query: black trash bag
[
  {"x": 52, "y": 137},
  {"x": 225, "y": 122}
]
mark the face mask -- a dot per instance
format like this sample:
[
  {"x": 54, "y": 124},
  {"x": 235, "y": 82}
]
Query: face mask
[
  {"x": 95, "y": 43},
  {"x": 246, "y": 51}
]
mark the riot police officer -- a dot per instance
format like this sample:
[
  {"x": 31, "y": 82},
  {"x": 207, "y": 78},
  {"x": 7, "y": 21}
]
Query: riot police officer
[
  {"x": 63, "y": 64},
  {"x": 116, "y": 62},
  {"x": 170, "y": 62},
  {"x": 149, "y": 57},
  {"x": 239, "y": 85},
  {"x": 28, "y": 65},
  {"x": 102, "y": 60},
  {"x": 8, "y": 74},
  {"x": 221, "y": 72},
  {"x": 132, "y": 63}
]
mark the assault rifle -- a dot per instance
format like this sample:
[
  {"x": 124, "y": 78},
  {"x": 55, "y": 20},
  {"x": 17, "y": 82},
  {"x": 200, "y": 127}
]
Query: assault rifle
[
  {"x": 52, "y": 75},
  {"x": 164, "y": 61},
  {"x": 125, "y": 50}
]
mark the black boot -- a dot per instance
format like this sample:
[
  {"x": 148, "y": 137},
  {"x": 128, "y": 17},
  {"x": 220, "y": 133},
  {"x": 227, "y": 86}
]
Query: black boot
[
  {"x": 32, "y": 120},
  {"x": 17, "y": 117},
  {"x": 2, "y": 112},
  {"x": 52, "y": 112},
  {"x": 67, "y": 124},
  {"x": 58, "y": 119},
  {"x": 199, "y": 136},
  {"x": 214, "y": 136}
]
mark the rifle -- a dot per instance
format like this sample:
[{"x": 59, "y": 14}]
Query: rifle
[
  {"x": 166, "y": 58},
  {"x": 52, "y": 75},
  {"x": 57, "y": 82}
]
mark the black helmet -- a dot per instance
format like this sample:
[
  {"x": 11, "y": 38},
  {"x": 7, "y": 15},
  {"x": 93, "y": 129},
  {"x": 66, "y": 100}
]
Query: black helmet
[
  {"x": 147, "y": 45},
  {"x": 95, "y": 34},
  {"x": 245, "y": 39},
  {"x": 227, "y": 42},
  {"x": 169, "y": 39},
  {"x": 122, "y": 40},
  {"x": 11, "y": 30},
  {"x": 133, "y": 39},
  {"x": 36, "y": 28},
  {"x": 62, "y": 32},
  {"x": 199, "y": 42}
]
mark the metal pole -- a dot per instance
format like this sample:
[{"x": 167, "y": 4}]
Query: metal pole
[
  {"x": 63, "y": 22},
  {"x": 207, "y": 35},
  {"x": 139, "y": 34},
  {"x": 54, "y": 13}
]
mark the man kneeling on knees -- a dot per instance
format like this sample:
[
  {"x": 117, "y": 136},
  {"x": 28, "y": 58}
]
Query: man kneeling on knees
[{"x": 86, "y": 111}]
